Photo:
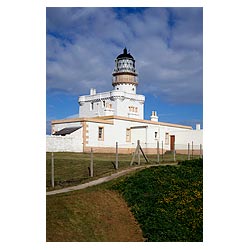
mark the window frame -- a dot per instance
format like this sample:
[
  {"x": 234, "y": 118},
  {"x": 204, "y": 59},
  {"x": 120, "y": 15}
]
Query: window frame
[
  {"x": 100, "y": 128},
  {"x": 91, "y": 106},
  {"x": 166, "y": 138},
  {"x": 128, "y": 135},
  {"x": 156, "y": 135}
]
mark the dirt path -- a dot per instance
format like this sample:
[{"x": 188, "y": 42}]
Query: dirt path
[{"x": 100, "y": 180}]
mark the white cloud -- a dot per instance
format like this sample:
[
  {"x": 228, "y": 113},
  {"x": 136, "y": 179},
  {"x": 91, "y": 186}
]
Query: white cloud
[{"x": 82, "y": 44}]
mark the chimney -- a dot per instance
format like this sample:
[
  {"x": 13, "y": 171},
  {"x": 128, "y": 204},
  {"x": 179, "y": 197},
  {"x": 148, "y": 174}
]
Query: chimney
[
  {"x": 92, "y": 91},
  {"x": 198, "y": 126},
  {"x": 154, "y": 116}
]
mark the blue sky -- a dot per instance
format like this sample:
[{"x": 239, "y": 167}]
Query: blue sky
[{"x": 167, "y": 44}]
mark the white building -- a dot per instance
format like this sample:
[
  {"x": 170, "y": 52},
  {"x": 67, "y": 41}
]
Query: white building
[
  {"x": 118, "y": 116},
  {"x": 122, "y": 100}
]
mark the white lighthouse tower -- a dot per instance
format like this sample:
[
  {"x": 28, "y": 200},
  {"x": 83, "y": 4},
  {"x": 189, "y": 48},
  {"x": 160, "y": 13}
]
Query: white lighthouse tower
[{"x": 122, "y": 100}]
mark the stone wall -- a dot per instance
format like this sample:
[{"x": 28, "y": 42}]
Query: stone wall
[{"x": 67, "y": 143}]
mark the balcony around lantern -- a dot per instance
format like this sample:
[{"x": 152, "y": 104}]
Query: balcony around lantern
[
  {"x": 110, "y": 95},
  {"x": 124, "y": 70}
]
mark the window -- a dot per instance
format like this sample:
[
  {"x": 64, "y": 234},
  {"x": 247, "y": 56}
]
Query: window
[
  {"x": 103, "y": 104},
  {"x": 91, "y": 106},
  {"x": 166, "y": 138},
  {"x": 156, "y": 135},
  {"x": 109, "y": 105},
  {"x": 128, "y": 135},
  {"x": 101, "y": 133},
  {"x": 133, "y": 109}
]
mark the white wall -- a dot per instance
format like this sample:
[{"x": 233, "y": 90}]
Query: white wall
[
  {"x": 123, "y": 108},
  {"x": 109, "y": 139},
  {"x": 182, "y": 138},
  {"x": 67, "y": 143},
  {"x": 117, "y": 133},
  {"x": 120, "y": 104},
  {"x": 138, "y": 134},
  {"x": 126, "y": 87}
]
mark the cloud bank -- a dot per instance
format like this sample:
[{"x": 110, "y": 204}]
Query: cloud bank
[{"x": 166, "y": 43}]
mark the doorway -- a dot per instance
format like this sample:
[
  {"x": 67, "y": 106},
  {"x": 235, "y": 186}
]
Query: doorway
[{"x": 172, "y": 142}]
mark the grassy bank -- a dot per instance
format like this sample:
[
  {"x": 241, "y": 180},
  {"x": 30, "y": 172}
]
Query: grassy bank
[
  {"x": 167, "y": 201},
  {"x": 156, "y": 204},
  {"x": 92, "y": 215}
]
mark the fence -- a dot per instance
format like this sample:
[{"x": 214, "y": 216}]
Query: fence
[{"x": 67, "y": 169}]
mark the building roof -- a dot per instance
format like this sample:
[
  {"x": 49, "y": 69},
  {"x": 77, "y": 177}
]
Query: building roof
[
  {"x": 112, "y": 118},
  {"x": 66, "y": 131},
  {"x": 125, "y": 54}
]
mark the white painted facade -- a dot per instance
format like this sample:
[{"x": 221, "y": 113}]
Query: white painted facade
[
  {"x": 125, "y": 131},
  {"x": 117, "y": 116},
  {"x": 114, "y": 102},
  {"x": 183, "y": 138}
]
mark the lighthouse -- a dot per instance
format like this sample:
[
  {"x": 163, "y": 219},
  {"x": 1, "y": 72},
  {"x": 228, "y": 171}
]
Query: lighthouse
[
  {"x": 117, "y": 116},
  {"x": 124, "y": 74},
  {"x": 122, "y": 100}
]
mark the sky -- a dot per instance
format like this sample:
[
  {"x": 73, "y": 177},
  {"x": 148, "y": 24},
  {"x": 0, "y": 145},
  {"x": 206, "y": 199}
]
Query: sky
[{"x": 167, "y": 44}]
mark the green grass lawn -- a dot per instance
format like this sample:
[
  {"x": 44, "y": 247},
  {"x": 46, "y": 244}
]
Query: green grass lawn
[
  {"x": 71, "y": 169},
  {"x": 167, "y": 201}
]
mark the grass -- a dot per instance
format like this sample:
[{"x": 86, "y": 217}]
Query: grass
[
  {"x": 92, "y": 215},
  {"x": 71, "y": 169},
  {"x": 166, "y": 202}
]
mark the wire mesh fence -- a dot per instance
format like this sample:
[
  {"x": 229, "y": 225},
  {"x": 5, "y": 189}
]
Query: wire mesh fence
[{"x": 68, "y": 169}]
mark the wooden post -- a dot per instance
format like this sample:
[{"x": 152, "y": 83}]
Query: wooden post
[
  {"x": 52, "y": 170},
  {"x": 174, "y": 153},
  {"x": 137, "y": 152},
  {"x": 91, "y": 163},
  {"x": 134, "y": 154},
  {"x": 158, "y": 153},
  {"x": 116, "y": 155},
  {"x": 192, "y": 149},
  {"x": 188, "y": 151},
  {"x": 161, "y": 150},
  {"x": 145, "y": 157},
  {"x": 139, "y": 158},
  {"x": 200, "y": 150}
]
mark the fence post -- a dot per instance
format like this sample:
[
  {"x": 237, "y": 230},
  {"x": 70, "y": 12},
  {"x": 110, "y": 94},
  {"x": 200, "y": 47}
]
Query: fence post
[
  {"x": 138, "y": 146},
  {"x": 91, "y": 163},
  {"x": 200, "y": 150},
  {"x": 116, "y": 155},
  {"x": 52, "y": 170},
  {"x": 174, "y": 153},
  {"x": 162, "y": 150},
  {"x": 188, "y": 151},
  {"x": 192, "y": 149},
  {"x": 158, "y": 153}
]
